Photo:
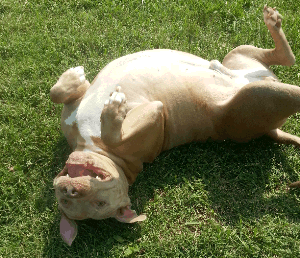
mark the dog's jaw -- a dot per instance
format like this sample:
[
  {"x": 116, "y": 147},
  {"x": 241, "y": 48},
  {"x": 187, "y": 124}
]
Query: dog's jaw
[{"x": 106, "y": 185}]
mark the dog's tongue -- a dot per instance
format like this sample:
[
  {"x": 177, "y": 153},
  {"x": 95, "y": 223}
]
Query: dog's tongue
[{"x": 78, "y": 171}]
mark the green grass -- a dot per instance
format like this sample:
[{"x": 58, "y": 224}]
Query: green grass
[{"x": 202, "y": 199}]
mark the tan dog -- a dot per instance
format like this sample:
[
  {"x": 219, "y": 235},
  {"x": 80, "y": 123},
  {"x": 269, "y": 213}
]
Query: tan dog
[{"x": 161, "y": 99}]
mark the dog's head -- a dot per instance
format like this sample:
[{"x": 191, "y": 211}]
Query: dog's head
[{"x": 91, "y": 186}]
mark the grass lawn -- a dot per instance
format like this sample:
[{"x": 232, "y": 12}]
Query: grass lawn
[{"x": 202, "y": 199}]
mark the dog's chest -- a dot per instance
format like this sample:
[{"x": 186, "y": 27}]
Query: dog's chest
[{"x": 88, "y": 113}]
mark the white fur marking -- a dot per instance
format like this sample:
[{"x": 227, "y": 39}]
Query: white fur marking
[
  {"x": 80, "y": 71},
  {"x": 88, "y": 118},
  {"x": 116, "y": 96},
  {"x": 120, "y": 97},
  {"x": 253, "y": 75},
  {"x": 82, "y": 78},
  {"x": 72, "y": 118},
  {"x": 242, "y": 77}
]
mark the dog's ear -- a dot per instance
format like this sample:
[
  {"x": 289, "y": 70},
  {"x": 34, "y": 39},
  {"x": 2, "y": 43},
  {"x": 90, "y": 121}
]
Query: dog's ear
[
  {"x": 68, "y": 229},
  {"x": 126, "y": 215},
  {"x": 295, "y": 184}
]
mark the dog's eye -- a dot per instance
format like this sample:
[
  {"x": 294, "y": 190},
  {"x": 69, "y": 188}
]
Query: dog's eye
[{"x": 100, "y": 203}]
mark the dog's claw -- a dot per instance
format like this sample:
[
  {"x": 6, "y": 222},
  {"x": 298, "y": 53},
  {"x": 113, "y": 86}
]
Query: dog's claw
[
  {"x": 116, "y": 101},
  {"x": 118, "y": 89},
  {"x": 116, "y": 97}
]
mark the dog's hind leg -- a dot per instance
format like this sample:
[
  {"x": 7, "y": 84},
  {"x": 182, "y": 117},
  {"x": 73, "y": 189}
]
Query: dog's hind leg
[
  {"x": 258, "y": 109},
  {"x": 280, "y": 55},
  {"x": 285, "y": 138}
]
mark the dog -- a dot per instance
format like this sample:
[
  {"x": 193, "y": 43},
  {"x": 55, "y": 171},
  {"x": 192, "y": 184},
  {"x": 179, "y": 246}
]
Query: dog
[{"x": 147, "y": 102}]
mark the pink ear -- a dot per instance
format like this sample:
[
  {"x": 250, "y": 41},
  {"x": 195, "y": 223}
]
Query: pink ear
[
  {"x": 127, "y": 215},
  {"x": 68, "y": 229}
]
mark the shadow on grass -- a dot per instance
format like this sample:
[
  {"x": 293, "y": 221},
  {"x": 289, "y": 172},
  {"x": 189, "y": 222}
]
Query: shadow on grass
[
  {"x": 243, "y": 180},
  {"x": 248, "y": 180},
  {"x": 60, "y": 154}
]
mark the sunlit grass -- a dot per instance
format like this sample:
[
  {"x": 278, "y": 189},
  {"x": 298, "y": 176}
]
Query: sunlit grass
[{"x": 203, "y": 199}]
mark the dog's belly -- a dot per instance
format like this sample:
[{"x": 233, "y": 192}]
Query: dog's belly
[{"x": 189, "y": 89}]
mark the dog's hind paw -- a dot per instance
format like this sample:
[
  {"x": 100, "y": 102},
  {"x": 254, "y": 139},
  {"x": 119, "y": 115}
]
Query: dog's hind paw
[{"x": 272, "y": 17}]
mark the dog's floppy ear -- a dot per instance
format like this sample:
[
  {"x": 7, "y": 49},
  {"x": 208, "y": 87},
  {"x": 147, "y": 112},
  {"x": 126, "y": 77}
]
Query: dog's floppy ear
[
  {"x": 68, "y": 229},
  {"x": 126, "y": 215},
  {"x": 295, "y": 184}
]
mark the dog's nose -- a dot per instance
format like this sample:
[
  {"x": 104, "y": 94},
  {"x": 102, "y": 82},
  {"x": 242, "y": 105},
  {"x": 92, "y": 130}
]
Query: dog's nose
[{"x": 70, "y": 191}]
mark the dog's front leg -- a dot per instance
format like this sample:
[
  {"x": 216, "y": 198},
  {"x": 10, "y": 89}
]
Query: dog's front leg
[
  {"x": 144, "y": 122},
  {"x": 112, "y": 117},
  {"x": 137, "y": 135},
  {"x": 70, "y": 87}
]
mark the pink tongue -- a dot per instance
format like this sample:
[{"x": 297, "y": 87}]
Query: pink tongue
[{"x": 78, "y": 171}]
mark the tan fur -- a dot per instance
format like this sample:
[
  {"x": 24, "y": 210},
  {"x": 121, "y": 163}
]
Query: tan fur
[
  {"x": 68, "y": 88},
  {"x": 86, "y": 203},
  {"x": 161, "y": 99}
]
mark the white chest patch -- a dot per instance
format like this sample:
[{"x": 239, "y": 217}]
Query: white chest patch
[
  {"x": 88, "y": 118},
  {"x": 89, "y": 112},
  {"x": 72, "y": 118}
]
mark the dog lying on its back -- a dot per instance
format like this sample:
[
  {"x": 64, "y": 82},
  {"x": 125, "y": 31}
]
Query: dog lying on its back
[{"x": 161, "y": 99}]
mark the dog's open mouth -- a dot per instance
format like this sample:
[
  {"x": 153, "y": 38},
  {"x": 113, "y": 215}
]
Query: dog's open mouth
[{"x": 73, "y": 171}]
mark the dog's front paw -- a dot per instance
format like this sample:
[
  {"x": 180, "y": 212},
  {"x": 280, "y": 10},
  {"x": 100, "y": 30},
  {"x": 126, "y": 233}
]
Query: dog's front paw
[
  {"x": 73, "y": 77},
  {"x": 115, "y": 107},
  {"x": 78, "y": 72},
  {"x": 70, "y": 86},
  {"x": 117, "y": 98},
  {"x": 272, "y": 17},
  {"x": 112, "y": 117}
]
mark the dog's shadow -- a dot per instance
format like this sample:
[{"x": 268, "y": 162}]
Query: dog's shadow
[{"x": 247, "y": 180}]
